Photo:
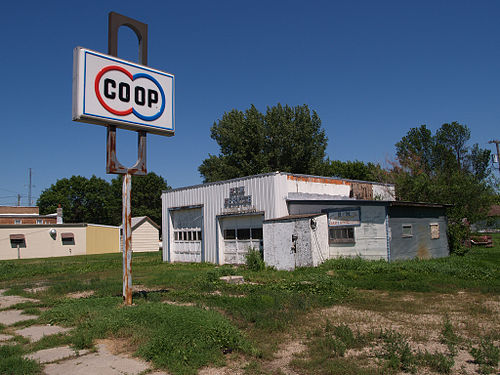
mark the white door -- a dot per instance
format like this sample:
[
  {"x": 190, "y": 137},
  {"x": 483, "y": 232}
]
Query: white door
[
  {"x": 186, "y": 239},
  {"x": 239, "y": 234}
]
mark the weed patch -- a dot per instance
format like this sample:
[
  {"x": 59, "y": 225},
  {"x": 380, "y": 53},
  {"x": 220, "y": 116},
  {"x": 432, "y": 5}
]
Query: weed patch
[
  {"x": 13, "y": 363},
  {"x": 486, "y": 355}
]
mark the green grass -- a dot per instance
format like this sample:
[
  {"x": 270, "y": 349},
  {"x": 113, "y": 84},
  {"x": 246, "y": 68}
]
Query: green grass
[
  {"x": 179, "y": 338},
  {"x": 13, "y": 363},
  {"x": 250, "y": 319}
]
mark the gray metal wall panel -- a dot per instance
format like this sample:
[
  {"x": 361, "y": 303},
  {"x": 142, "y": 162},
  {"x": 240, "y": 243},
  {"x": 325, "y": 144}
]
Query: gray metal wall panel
[{"x": 420, "y": 243}]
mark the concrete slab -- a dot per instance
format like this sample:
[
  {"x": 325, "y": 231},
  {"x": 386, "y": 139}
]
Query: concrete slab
[
  {"x": 54, "y": 354},
  {"x": 5, "y": 337},
  {"x": 35, "y": 333},
  {"x": 102, "y": 363},
  {"x": 9, "y": 317},
  {"x": 233, "y": 279},
  {"x": 36, "y": 289},
  {"x": 8, "y": 301}
]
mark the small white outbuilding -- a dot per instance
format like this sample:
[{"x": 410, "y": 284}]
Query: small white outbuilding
[{"x": 145, "y": 235}]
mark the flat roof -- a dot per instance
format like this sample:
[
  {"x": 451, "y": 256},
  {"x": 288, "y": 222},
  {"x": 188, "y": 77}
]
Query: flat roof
[{"x": 272, "y": 174}]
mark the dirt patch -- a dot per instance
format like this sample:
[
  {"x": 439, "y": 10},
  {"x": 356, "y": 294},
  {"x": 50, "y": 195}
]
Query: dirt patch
[
  {"x": 117, "y": 346},
  {"x": 419, "y": 317},
  {"x": 284, "y": 356},
  {"x": 84, "y": 294}
]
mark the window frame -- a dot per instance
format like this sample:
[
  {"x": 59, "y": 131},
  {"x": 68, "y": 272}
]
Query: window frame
[
  {"x": 406, "y": 235},
  {"x": 347, "y": 235}
]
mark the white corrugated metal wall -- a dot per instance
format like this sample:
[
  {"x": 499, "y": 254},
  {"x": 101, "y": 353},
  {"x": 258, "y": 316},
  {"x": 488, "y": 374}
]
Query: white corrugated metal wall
[{"x": 268, "y": 192}]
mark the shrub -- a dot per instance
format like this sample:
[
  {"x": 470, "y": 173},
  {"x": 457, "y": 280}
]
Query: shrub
[{"x": 254, "y": 261}]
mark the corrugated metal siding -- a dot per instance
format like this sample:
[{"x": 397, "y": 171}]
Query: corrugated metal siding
[
  {"x": 262, "y": 188},
  {"x": 420, "y": 243}
]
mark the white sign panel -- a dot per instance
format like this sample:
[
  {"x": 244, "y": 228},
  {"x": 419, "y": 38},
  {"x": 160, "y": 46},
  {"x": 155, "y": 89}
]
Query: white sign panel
[
  {"x": 111, "y": 91},
  {"x": 342, "y": 217}
]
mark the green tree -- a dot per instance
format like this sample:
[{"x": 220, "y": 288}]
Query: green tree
[
  {"x": 82, "y": 200},
  {"x": 354, "y": 170},
  {"x": 444, "y": 169},
  {"x": 288, "y": 139},
  {"x": 145, "y": 196}
]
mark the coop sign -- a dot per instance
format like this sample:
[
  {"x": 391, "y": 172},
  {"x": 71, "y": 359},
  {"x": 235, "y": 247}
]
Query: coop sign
[
  {"x": 343, "y": 217},
  {"x": 111, "y": 91}
]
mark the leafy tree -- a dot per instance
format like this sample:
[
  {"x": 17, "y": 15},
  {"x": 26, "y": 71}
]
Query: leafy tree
[
  {"x": 145, "y": 196},
  {"x": 354, "y": 170},
  {"x": 97, "y": 201},
  {"x": 444, "y": 169},
  {"x": 82, "y": 199},
  {"x": 288, "y": 139}
]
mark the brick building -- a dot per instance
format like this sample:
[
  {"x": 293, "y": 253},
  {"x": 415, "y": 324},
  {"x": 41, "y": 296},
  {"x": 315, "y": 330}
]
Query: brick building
[{"x": 27, "y": 215}]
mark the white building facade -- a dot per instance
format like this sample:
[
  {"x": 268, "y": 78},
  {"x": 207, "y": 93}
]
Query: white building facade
[{"x": 218, "y": 222}]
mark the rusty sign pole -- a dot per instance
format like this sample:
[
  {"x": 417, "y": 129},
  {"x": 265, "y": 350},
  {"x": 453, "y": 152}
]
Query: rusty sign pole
[{"x": 112, "y": 164}]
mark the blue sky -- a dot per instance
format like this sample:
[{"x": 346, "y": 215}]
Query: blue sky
[{"x": 371, "y": 69}]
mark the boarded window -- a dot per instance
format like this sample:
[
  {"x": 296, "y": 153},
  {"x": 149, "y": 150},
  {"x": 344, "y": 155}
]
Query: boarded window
[
  {"x": 434, "y": 231},
  {"x": 407, "y": 230},
  {"x": 341, "y": 235}
]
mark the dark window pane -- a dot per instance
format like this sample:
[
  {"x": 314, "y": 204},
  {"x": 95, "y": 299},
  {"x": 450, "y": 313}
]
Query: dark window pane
[
  {"x": 199, "y": 235},
  {"x": 244, "y": 234},
  {"x": 229, "y": 234},
  {"x": 257, "y": 233}
]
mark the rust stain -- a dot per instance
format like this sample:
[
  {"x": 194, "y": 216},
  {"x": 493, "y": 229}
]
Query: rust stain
[
  {"x": 127, "y": 240},
  {"x": 320, "y": 180},
  {"x": 423, "y": 252}
]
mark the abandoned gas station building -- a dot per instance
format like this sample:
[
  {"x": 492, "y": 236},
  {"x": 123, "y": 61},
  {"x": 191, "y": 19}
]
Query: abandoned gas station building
[{"x": 297, "y": 220}]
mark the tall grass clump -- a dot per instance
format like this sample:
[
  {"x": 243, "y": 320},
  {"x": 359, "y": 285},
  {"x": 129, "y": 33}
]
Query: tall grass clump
[{"x": 254, "y": 260}]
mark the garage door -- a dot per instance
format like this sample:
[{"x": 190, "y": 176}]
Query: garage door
[
  {"x": 187, "y": 235},
  {"x": 239, "y": 234}
]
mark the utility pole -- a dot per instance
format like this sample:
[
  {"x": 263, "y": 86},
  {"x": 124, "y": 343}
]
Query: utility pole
[
  {"x": 496, "y": 141},
  {"x": 18, "y": 200},
  {"x": 29, "y": 190}
]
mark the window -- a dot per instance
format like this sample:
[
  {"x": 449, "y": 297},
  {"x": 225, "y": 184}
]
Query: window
[
  {"x": 229, "y": 234},
  {"x": 18, "y": 221},
  {"x": 68, "y": 238},
  {"x": 17, "y": 240},
  {"x": 341, "y": 235},
  {"x": 406, "y": 230},
  {"x": 257, "y": 233},
  {"x": 243, "y": 234},
  {"x": 434, "y": 231},
  {"x": 187, "y": 235},
  {"x": 39, "y": 221}
]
